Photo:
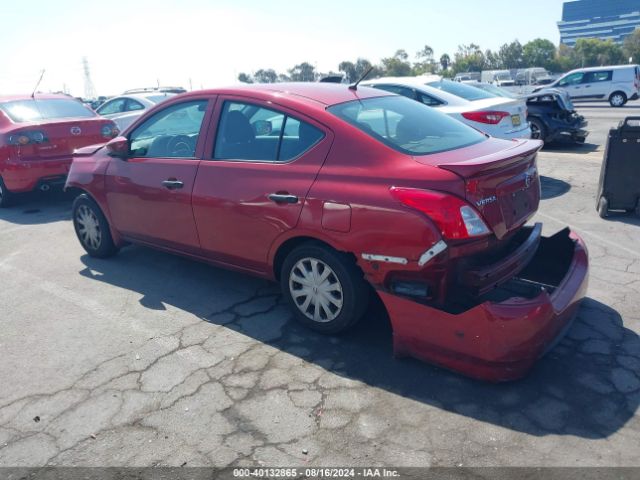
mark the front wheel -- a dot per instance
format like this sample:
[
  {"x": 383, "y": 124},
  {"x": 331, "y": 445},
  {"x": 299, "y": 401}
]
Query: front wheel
[
  {"x": 617, "y": 99},
  {"x": 92, "y": 228},
  {"x": 325, "y": 288}
]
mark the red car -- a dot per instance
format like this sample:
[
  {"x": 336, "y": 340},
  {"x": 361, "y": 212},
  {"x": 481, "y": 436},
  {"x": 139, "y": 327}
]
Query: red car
[
  {"x": 37, "y": 138},
  {"x": 341, "y": 194}
]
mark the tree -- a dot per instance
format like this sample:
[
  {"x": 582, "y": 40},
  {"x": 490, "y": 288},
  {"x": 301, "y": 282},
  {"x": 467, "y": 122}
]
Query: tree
[
  {"x": 511, "y": 55},
  {"x": 539, "y": 53},
  {"x": 445, "y": 61},
  {"x": 591, "y": 52},
  {"x": 492, "y": 60},
  {"x": 303, "y": 72},
  {"x": 354, "y": 71},
  {"x": 469, "y": 58},
  {"x": 565, "y": 58},
  {"x": 631, "y": 47},
  {"x": 425, "y": 63},
  {"x": 245, "y": 78},
  {"x": 265, "y": 76},
  {"x": 349, "y": 70},
  {"x": 398, "y": 65}
]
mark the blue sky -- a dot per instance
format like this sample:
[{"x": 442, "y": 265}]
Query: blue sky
[{"x": 138, "y": 42}]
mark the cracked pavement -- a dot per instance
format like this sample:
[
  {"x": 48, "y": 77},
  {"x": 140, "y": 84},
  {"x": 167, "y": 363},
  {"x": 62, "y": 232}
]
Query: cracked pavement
[{"x": 150, "y": 359}]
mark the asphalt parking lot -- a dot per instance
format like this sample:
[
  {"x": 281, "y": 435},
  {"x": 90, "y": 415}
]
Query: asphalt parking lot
[{"x": 149, "y": 359}]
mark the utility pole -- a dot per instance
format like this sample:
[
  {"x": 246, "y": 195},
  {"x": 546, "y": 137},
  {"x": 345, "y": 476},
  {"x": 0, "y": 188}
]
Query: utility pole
[{"x": 89, "y": 89}]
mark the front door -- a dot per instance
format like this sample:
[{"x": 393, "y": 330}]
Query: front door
[
  {"x": 149, "y": 194},
  {"x": 573, "y": 84},
  {"x": 252, "y": 186}
]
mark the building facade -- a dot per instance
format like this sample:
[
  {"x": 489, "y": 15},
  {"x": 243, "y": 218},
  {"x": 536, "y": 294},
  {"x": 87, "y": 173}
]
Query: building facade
[{"x": 603, "y": 19}]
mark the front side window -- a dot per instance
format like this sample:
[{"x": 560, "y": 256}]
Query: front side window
[
  {"x": 114, "y": 106},
  {"x": 35, "y": 109},
  {"x": 248, "y": 132},
  {"x": 573, "y": 79},
  {"x": 170, "y": 133},
  {"x": 407, "y": 126}
]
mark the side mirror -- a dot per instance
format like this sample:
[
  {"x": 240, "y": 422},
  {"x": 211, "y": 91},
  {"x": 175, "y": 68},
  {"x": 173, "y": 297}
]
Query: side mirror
[{"x": 118, "y": 148}]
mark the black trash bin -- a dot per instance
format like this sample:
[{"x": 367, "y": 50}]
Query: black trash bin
[{"x": 619, "y": 186}]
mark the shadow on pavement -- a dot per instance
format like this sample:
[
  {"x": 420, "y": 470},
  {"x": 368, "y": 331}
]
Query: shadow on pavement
[
  {"x": 39, "y": 207},
  {"x": 570, "y": 147},
  {"x": 585, "y": 387},
  {"x": 552, "y": 187},
  {"x": 629, "y": 218}
]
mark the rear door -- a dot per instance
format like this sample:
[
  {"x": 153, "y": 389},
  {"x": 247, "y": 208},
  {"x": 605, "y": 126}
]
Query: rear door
[
  {"x": 149, "y": 195},
  {"x": 252, "y": 183}
]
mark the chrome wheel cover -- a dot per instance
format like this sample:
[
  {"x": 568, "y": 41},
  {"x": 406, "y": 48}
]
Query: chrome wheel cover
[
  {"x": 316, "y": 290},
  {"x": 88, "y": 227},
  {"x": 617, "y": 100}
]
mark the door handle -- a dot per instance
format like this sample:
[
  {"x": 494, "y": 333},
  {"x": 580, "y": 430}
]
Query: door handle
[
  {"x": 172, "y": 184},
  {"x": 283, "y": 198}
]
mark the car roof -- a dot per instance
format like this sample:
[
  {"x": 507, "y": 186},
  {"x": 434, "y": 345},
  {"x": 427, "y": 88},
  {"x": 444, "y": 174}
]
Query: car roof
[
  {"x": 321, "y": 95},
  {"x": 596, "y": 69},
  {"x": 38, "y": 96}
]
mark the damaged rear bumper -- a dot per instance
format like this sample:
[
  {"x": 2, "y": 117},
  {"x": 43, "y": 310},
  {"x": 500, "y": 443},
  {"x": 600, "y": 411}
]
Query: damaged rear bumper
[{"x": 501, "y": 336}]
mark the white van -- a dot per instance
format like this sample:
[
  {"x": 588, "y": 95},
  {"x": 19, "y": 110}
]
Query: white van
[
  {"x": 616, "y": 84},
  {"x": 500, "y": 78}
]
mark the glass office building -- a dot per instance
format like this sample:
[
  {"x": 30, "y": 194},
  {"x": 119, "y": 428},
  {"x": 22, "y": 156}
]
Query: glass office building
[{"x": 604, "y": 19}]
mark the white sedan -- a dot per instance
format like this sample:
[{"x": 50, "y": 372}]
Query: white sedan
[
  {"x": 499, "y": 117},
  {"x": 125, "y": 109}
]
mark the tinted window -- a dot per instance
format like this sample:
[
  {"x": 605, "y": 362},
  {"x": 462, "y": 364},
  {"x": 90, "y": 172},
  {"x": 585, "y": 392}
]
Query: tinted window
[
  {"x": 593, "y": 77},
  {"x": 41, "y": 109},
  {"x": 407, "y": 126},
  {"x": 572, "y": 79},
  {"x": 158, "y": 98},
  {"x": 460, "y": 90},
  {"x": 428, "y": 100},
  {"x": 114, "y": 106},
  {"x": 134, "y": 105},
  {"x": 253, "y": 133},
  {"x": 397, "y": 89},
  {"x": 170, "y": 133}
]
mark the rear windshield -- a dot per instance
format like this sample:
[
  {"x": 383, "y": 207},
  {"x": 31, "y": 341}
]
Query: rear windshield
[
  {"x": 45, "y": 109},
  {"x": 406, "y": 125},
  {"x": 460, "y": 90}
]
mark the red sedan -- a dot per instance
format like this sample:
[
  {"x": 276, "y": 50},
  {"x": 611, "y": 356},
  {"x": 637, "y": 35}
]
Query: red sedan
[
  {"x": 341, "y": 194},
  {"x": 38, "y": 135}
]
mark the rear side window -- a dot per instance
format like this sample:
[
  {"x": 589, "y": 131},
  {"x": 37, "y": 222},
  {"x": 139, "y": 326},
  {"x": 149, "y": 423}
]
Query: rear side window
[
  {"x": 247, "y": 132},
  {"x": 45, "y": 109},
  {"x": 594, "y": 77},
  {"x": 399, "y": 90},
  {"x": 113, "y": 106},
  {"x": 406, "y": 125},
  {"x": 133, "y": 105},
  {"x": 460, "y": 90}
]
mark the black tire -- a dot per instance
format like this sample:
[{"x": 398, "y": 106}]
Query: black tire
[
  {"x": 538, "y": 129},
  {"x": 6, "y": 197},
  {"x": 603, "y": 207},
  {"x": 618, "y": 99},
  {"x": 344, "y": 275},
  {"x": 92, "y": 228}
]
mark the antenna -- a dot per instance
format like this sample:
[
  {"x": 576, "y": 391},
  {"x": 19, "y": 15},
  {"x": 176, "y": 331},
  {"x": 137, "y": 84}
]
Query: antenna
[
  {"x": 89, "y": 89},
  {"x": 33, "y": 94},
  {"x": 355, "y": 85}
]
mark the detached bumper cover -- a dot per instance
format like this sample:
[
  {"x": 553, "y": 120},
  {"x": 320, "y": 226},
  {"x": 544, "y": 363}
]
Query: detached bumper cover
[{"x": 493, "y": 341}]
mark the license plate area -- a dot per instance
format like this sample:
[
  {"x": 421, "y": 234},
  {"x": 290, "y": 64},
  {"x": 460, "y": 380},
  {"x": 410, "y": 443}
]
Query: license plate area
[{"x": 516, "y": 120}]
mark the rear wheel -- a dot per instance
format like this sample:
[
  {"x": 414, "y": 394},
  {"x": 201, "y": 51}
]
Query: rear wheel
[
  {"x": 6, "y": 197},
  {"x": 92, "y": 228},
  {"x": 603, "y": 207},
  {"x": 538, "y": 130},
  {"x": 325, "y": 288},
  {"x": 618, "y": 99}
]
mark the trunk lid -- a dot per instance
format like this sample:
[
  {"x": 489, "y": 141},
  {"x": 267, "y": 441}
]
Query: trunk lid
[
  {"x": 63, "y": 137},
  {"x": 501, "y": 180}
]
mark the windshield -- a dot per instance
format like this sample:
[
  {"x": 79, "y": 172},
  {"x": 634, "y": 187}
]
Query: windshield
[
  {"x": 45, "y": 109},
  {"x": 460, "y": 90},
  {"x": 158, "y": 98},
  {"x": 503, "y": 76},
  {"x": 496, "y": 91},
  {"x": 406, "y": 125}
]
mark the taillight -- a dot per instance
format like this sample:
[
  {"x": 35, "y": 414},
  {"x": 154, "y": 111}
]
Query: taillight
[
  {"x": 490, "y": 117},
  {"x": 27, "y": 137},
  {"x": 455, "y": 218},
  {"x": 109, "y": 131}
]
